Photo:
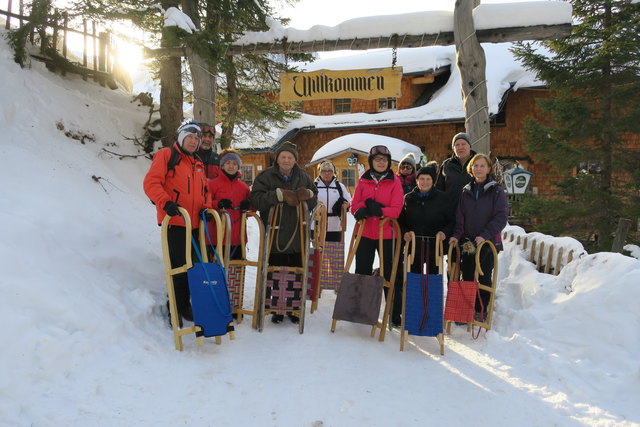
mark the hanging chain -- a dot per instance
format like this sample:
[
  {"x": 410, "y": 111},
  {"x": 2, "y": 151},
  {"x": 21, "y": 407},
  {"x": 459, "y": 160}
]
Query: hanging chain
[{"x": 394, "y": 57}]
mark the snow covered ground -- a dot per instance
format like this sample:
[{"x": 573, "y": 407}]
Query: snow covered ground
[{"x": 86, "y": 343}]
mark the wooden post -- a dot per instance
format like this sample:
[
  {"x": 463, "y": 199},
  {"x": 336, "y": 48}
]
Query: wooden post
[
  {"x": 558, "y": 267},
  {"x": 624, "y": 225},
  {"x": 95, "y": 50},
  {"x": 65, "y": 35},
  {"x": 7, "y": 24},
  {"x": 471, "y": 63},
  {"x": 21, "y": 12},
  {"x": 84, "y": 48},
  {"x": 532, "y": 256},
  {"x": 524, "y": 243},
  {"x": 538, "y": 261},
  {"x": 54, "y": 38},
  {"x": 547, "y": 266}
]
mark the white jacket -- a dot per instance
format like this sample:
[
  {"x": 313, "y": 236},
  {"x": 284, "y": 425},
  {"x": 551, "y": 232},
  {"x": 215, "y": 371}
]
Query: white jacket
[{"x": 328, "y": 196}]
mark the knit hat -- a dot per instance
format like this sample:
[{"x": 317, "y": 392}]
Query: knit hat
[
  {"x": 188, "y": 128},
  {"x": 287, "y": 146},
  {"x": 230, "y": 154},
  {"x": 460, "y": 135},
  {"x": 379, "y": 149},
  {"x": 410, "y": 158},
  {"x": 431, "y": 169},
  {"x": 327, "y": 164}
]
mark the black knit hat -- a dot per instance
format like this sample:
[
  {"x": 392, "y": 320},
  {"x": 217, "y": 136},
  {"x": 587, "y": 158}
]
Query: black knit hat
[
  {"x": 430, "y": 168},
  {"x": 287, "y": 146}
]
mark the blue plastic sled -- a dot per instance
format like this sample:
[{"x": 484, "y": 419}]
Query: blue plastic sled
[
  {"x": 210, "y": 297},
  {"x": 418, "y": 321}
]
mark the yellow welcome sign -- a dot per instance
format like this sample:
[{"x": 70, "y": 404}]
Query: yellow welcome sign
[{"x": 327, "y": 84}]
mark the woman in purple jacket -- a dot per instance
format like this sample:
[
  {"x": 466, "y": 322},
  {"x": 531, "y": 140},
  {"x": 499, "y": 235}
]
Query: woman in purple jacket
[{"x": 482, "y": 214}]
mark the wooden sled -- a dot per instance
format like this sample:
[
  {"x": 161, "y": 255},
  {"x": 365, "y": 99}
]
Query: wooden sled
[
  {"x": 353, "y": 246},
  {"x": 409, "y": 256},
  {"x": 236, "y": 269},
  {"x": 297, "y": 274},
  {"x": 478, "y": 272},
  {"x": 316, "y": 254},
  {"x": 333, "y": 258},
  {"x": 179, "y": 332}
]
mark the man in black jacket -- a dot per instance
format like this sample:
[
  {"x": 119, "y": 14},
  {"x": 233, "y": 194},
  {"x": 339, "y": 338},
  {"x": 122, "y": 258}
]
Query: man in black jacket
[{"x": 453, "y": 176}]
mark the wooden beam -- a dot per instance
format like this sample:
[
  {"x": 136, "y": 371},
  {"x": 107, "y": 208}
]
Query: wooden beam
[
  {"x": 499, "y": 35},
  {"x": 427, "y": 78}
]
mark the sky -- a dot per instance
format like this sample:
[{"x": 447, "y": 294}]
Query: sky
[{"x": 87, "y": 342}]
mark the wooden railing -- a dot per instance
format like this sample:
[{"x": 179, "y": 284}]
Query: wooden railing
[
  {"x": 97, "y": 59},
  {"x": 549, "y": 254}
]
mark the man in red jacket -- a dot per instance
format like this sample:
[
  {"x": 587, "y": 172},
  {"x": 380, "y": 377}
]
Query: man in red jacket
[{"x": 177, "y": 179}]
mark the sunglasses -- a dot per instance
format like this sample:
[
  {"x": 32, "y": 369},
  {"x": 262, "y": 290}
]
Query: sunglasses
[
  {"x": 379, "y": 149},
  {"x": 326, "y": 171},
  {"x": 406, "y": 166}
]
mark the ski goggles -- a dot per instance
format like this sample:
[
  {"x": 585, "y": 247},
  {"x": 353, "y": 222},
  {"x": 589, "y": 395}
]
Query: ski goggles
[
  {"x": 207, "y": 129},
  {"x": 379, "y": 149},
  {"x": 192, "y": 129}
]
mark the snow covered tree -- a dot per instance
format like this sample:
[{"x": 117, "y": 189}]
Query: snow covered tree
[{"x": 587, "y": 123}]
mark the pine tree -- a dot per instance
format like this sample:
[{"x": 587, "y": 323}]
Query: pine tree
[{"x": 587, "y": 122}]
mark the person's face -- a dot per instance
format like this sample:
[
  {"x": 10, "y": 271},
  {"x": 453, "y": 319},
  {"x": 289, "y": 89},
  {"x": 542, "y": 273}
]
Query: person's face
[
  {"x": 326, "y": 174},
  {"x": 230, "y": 167},
  {"x": 462, "y": 148},
  {"x": 207, "y": 140},
  {"x": 380, "y": 163},
  {"x": 480, "y": 169},
  {"x": 190, "y": 143},
  {"x": 425, "y": 183},
  {"x": 405, "y": 169},
  {"x": 286, "y": 161}
]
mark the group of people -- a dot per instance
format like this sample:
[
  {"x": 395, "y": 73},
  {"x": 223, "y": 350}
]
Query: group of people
[{"x": 457, "y": 202}]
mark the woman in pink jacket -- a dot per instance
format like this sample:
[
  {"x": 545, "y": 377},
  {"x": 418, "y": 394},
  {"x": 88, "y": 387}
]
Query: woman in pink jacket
[
  {"x": 228, "y": 191},
  {"x": 378, "y": 194}
]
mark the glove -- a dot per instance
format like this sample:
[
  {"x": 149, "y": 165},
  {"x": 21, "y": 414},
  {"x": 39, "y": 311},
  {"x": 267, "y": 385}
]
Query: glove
[
  {"x": 224, "y": 204},
  {"x": 304, "y": 194},
  {"x": 337, "y": 206},
  {"x": 361, "y": 213},
  {"x": 287, "y": 196},
  {"x": 245, "y": 205},
  {"x": 375, "y": 208},
  {"x": 171, "y": 208},
  {"x": 208, "y": 215}
]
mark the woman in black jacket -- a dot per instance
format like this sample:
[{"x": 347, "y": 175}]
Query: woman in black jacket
[{"x": 430, "y": 214}]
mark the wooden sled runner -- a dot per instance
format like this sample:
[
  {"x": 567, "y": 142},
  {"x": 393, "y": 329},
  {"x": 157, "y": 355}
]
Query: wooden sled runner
[
  {"x": 179, "y": 332},
  {"x": 316, "y": 254},
  {"x": 283, "y": 289},
  {"x": 359, "y": 296},
  {"x": 454, "y": 269},
  {"x": 422, "y": 307},
  {"x": 236, "y": 270}
]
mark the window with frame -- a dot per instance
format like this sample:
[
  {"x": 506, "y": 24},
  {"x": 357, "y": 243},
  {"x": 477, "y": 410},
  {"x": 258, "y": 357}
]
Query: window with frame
[
  {"x": 385, "y": 104},
  {"x": 590, "y": 168},
  {"x": 342, "y": 105},
  {"x": 348, "y": 177},
  {"x": 247, "y": 174}
]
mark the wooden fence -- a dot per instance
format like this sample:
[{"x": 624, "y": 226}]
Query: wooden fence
[
  {"x": 97, "y": 59},
  {"x": 549, "y": 254}
]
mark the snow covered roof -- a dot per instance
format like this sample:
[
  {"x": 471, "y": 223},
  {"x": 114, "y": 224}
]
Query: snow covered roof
[
  {"x": 361, "y": 143},
  {"x": 485, "y": 16}
]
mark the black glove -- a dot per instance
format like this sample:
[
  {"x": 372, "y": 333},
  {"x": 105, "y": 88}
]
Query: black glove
[
  {"x": 245, "y": 205},
  {"x": 224, "y": 204},
  {"x": 337, "y": 207},
  {"x": 375, "y": 208},
  {"x": 207, "y": 215},
  {"x": 361, "y": 213},
  {"x": 171, "y": 208}
]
